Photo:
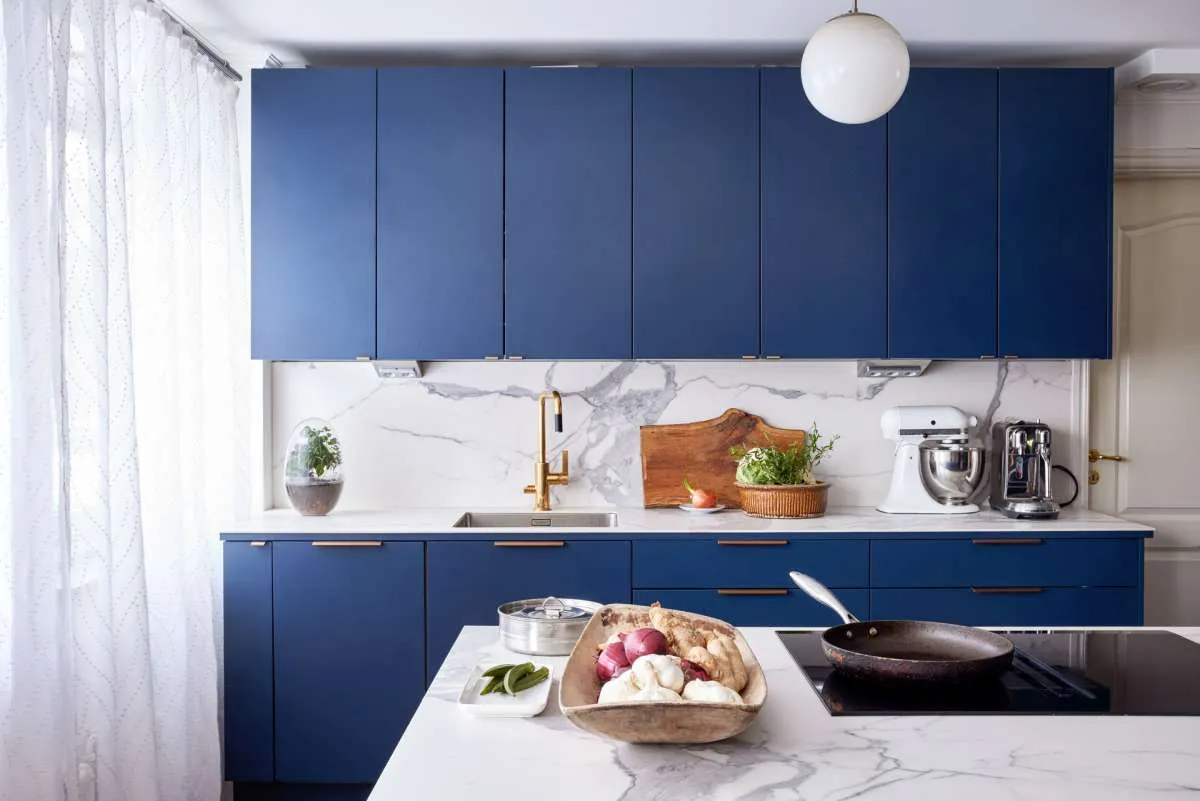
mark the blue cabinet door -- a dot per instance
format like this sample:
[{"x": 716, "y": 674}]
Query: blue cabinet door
[
  {"x": 695, "y": 213},
  {"x": 701, "y": 563},
  {"x": 313, "y": 214},
  {"x": 441, "y": 213},
  {"x": 349, "y": 656},
  {"x": 469, "y": 580},
  {"x": 568, "y": 196},
  {"x": 775, "y": 609},
  {"x": 942, "y": 216},
  {"x": 249, "y": 687},
  {"x": 1056, "y": 157},
  {"x": 824, "y": 228}
]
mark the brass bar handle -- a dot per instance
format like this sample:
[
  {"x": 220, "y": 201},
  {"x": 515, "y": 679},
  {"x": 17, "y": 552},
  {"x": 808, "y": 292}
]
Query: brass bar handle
[
  {"x": 1017, "y": 541},
  {"x": 752, "y": 542},
  {"x": 1096, "y": 456},
  {"x": 530, "y": 544},
  {"x": 1006, "y": 590},
  {"x": 348, "y": 543},
  {"x": 752, "y": 592}
]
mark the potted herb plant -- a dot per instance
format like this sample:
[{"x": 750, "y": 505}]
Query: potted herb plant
[
  {"x": 313, "y": 472},
  {"x": 779, "y": 482}
]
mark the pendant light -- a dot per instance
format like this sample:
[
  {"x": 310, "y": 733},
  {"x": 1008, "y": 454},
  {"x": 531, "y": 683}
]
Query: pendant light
[{"x": 855, "y": 67}]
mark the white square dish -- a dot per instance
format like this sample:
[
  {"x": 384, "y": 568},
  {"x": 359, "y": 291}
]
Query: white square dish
[{"x": 497, "y": 705}]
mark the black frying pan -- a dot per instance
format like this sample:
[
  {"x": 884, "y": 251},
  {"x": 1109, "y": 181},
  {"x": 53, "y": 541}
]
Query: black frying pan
[{"x": 907, "y": 649}]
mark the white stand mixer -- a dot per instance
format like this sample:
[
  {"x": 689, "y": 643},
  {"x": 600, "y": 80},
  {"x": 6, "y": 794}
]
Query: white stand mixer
[{"x": 909, "y": 426}]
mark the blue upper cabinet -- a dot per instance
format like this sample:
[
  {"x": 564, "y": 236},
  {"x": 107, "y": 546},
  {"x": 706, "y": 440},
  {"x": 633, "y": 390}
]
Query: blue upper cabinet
[
  {"x": 824, "y": 236},
  {"x": 942, "y": 216},
  {"x": 695, "y": 213},
  {"x": 441, "y": 213},
  {"x": 568, "y": 197},
  {"x": 313, "y": 214},
  {"x": 1056, "y": 140}
]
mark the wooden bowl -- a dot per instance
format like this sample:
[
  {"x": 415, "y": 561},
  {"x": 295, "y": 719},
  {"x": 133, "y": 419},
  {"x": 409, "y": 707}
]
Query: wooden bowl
[{"x": 646, "y": 721}]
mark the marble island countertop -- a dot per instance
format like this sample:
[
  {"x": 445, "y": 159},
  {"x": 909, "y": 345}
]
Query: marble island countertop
[
  {"x": 795, "y": 751},
  {"x": 845, "y": 519}
]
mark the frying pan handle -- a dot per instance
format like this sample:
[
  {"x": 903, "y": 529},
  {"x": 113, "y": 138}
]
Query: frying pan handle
[{"x": 821, "y": 594}]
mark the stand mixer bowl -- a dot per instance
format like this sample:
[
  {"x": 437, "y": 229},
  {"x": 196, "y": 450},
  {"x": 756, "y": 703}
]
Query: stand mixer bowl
[{"x": 951, "y": 470}]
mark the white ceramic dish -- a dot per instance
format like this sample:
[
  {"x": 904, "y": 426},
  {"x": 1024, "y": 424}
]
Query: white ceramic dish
[
  {"x": 687, "y": 507},
  {"x": 525, "y": 705}
]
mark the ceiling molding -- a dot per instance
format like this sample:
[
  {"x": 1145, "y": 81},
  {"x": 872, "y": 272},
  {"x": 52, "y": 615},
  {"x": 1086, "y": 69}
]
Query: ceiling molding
[{"x": 1158, "y": 162}]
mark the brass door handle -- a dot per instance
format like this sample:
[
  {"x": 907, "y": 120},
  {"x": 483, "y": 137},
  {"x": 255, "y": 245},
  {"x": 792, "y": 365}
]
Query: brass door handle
[
  {"x": 530, "y": 544},
  {"x": 1096, "y": 456},
  {"x": 348, "y": 543},
  {"x": 1002, "y": 541},
  {"x": 752, "y": 592},
  {"x": 752, "y": 542},
  {"x": 1006, "y": 590}
]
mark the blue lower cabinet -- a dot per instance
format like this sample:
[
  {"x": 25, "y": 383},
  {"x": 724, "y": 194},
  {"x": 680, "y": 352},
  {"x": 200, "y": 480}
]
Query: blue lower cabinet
[
  {"x": 778, "y": 608},
  {"x": 249, "y": 663},
  {"x": 349, "y": 656},
  {"x": 467, "y": 581},
  {"x": 1022, "y": 607},
  {"x": 703, "y": 563}
]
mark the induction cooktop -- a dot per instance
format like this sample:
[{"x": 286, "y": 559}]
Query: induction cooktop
[{"x": 1136, "y": 672}]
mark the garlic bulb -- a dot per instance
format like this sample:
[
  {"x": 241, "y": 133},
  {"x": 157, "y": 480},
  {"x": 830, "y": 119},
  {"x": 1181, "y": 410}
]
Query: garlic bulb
[
  {"x": 658, "y": 670},
  {"x": 656, "y": 693},
  {"x": 618, "y": 690},
  {"x": 710, "y": 692}
]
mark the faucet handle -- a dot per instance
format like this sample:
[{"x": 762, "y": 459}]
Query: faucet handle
[
  {"x": 563, "y": 475},
  {"x": 566, "y": 468}
]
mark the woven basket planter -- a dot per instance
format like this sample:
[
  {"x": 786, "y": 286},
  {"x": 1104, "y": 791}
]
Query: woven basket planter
[{"x": 784, "y": 500}]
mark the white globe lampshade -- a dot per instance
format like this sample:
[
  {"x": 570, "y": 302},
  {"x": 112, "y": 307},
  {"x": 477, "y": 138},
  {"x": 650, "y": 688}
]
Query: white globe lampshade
[{"x": 854, "y": 68}]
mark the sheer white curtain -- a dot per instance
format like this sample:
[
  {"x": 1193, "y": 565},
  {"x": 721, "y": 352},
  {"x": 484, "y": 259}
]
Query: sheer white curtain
[{"x": 123, "y": 373}]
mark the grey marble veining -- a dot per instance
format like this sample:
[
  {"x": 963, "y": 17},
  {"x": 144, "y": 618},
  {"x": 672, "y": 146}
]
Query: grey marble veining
[
  {"x": 794, "y": 751},
  {"x": 465, "y": 434}
]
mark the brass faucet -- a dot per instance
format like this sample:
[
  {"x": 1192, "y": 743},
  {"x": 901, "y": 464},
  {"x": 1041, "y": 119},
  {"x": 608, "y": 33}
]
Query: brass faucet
[{"x": 543, "y": 476}]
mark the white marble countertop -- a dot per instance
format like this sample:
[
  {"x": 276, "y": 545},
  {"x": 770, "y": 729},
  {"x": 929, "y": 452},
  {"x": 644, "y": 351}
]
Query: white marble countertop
[
  {"x": 636, "y": 520},
  {"x": 795, "y": 751}
]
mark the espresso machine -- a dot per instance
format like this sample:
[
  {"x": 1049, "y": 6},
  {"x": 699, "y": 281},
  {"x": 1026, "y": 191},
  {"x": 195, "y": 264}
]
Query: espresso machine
[{"x": 1021, "y": 479}]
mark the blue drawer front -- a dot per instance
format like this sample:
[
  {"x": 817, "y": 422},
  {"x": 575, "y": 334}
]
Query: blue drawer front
[
  {"x": 468, "y": 580},
  {"x": 748, "y": 563},
  {"x": 984, "y": 562},
  {"x": 1053, "y": 606},
  {"x": 249, "y": 686},
  {"x": 795, "y": 609}
]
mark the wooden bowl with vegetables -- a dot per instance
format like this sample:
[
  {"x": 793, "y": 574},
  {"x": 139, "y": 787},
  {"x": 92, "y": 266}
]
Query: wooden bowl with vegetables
[{"x": 644, "y": 674}]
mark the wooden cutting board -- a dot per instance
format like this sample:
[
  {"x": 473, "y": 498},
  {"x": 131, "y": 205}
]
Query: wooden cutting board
[{"x": 700, "y": 451}]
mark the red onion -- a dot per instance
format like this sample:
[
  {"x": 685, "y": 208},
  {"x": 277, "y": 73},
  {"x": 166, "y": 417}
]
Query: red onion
[
  {"x": 692, "y": 671},
  {"x": 640, "y": 642},
  {"x": 611, "y": 662}
]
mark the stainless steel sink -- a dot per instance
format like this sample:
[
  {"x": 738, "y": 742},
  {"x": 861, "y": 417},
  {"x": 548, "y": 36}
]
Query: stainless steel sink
[{"x": 537, "y": 520}]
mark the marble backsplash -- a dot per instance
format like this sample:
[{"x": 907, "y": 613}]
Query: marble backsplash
[{"x": 465, "y": 434}]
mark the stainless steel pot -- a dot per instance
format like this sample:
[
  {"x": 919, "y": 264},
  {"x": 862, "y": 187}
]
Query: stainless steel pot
[{"x": 544, "y": 626}]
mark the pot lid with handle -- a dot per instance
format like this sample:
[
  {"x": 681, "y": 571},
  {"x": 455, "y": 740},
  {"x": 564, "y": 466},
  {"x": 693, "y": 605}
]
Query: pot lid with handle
[{"x": 549, "y": 608}]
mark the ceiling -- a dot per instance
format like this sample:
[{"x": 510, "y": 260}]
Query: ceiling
[{"x": 1052, "y": 32}]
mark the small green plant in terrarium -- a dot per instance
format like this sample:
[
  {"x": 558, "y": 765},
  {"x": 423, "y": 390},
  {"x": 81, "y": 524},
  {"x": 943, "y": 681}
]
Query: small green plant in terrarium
[
  {"x": 313, "y": 469},
  {"x": 322, "y": 454}
]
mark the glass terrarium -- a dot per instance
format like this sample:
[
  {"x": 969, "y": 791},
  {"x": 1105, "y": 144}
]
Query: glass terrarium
[{"x": 313, "y": 468}]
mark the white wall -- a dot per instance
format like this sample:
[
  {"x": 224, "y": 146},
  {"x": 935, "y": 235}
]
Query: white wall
[{"x": 466, "y": 433}]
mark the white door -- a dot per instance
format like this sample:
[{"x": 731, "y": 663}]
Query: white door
[{"x": 1145, "y": 403}]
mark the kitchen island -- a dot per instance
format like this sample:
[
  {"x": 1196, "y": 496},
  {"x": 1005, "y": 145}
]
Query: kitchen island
[{"x": 795, "y": 751}]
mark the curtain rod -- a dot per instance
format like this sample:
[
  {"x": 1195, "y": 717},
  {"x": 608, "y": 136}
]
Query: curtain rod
[{"x": 220, "y": 62}]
